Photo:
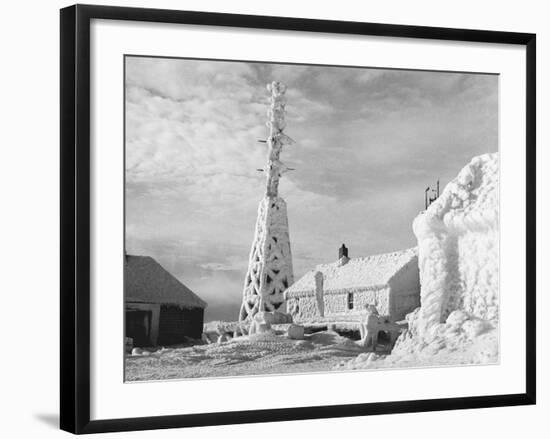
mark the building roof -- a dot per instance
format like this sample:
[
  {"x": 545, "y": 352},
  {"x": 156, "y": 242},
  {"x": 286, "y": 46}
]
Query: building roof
[
  {"x": 148, "y": 282},
  {"x": 368, "y": 272}
]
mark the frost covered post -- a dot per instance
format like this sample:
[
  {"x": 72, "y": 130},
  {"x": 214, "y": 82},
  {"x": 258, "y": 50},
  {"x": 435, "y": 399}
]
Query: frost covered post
[{"x": 270, "y": 263}]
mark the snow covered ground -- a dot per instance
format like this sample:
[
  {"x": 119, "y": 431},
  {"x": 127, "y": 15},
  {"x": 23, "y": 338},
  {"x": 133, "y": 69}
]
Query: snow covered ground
[
  {"x": 272, "y": 353},
  {"x": 259, "y": 354}
]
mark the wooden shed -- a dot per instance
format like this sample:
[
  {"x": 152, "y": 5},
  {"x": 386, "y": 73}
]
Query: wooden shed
[{"x": 159, "y": 309}]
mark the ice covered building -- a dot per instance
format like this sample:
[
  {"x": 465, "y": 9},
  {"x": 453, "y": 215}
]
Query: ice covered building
[
  {"x": 458, "y": 246},
  {"x": 159, "y": 309},
  {"x": 343, "y": 289}
]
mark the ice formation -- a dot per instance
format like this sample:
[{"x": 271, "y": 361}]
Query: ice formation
[
  {"x": 458, "y": 247},
  {"x": 270, "y": 263},
  {"x": 457, "y": 321}
]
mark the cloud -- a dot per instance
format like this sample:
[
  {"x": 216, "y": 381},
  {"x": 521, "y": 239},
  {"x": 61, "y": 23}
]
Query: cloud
[
  {"x": 368, "y": 141},
  {"x": 234, "y": 263}
]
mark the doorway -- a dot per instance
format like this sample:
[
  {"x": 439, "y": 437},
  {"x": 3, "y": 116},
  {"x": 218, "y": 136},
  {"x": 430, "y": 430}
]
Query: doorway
[{"x": 138, "y": 326}]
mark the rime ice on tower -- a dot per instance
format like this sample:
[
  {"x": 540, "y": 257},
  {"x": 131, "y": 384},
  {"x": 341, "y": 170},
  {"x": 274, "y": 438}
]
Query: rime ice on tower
[{"x": 270, "y": 263}]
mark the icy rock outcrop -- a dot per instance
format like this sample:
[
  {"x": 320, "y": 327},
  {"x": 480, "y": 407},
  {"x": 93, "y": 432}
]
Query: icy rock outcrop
[{"x": 458, "y": 247}]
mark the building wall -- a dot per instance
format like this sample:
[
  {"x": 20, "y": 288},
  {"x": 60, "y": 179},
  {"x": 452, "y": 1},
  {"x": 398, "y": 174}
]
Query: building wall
[
  {"x": 145, "y": 332},
  {"x": 175, "y": 324},
  {"x": 303, "y": 305},
  {"x": 337, "y": 302},
  {"x": 163, "y": 325},
  {"x": 405, "y": 290},
  {"x": 404, "y": 302},
  {"x": 479, "y": 295},
  {"x": 380, "y": 298},
  {"x": 459, "y": 271}
]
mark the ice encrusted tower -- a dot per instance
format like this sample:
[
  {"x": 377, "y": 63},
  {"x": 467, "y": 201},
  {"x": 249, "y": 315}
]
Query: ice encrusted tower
[{"x": 270, "y": 263}]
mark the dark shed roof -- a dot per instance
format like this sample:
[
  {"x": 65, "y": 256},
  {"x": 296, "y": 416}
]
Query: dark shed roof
[{"x": 147, "y": 281}]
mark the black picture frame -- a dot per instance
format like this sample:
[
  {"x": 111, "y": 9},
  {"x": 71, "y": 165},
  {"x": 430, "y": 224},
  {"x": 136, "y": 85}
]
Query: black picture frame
[{"x": 75, "y": 217}]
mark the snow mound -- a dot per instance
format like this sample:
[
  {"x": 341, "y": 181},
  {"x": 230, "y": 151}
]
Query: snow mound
[
  {"x": 257, "y": 354},
  {"x": 269, "y": 336},
  {"x": 462, "y": 340},
  {"x": 219, "y": 327},
  {"x": 328, "y": 338}
]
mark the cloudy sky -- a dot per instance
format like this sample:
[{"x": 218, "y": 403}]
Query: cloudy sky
[{"x": 368, "y": 142}]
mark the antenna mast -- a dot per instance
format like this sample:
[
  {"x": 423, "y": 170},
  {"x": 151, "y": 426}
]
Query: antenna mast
[{"x": 270, "y": 262}]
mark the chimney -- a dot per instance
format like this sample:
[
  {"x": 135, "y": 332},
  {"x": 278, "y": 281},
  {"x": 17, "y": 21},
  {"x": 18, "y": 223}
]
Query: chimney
[
  {"x": 342, "y": 251},
  {"x": 343, "y": 255}
]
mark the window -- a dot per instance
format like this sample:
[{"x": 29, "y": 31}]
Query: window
[{"x": 350, "y": 300}]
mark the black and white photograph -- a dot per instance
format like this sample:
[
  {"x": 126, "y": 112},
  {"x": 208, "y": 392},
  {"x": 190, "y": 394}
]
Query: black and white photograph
[
  {"x": 275, "y": 219},
  {"x": 287, "y": 218}
]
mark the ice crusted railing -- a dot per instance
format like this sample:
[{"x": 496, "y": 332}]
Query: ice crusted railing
[{"x": 458, "y": 247}]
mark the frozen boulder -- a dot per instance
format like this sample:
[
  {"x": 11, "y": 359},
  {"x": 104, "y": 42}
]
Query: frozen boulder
[
  {"x": 222, "y": 338},
  {"x": 295, "y": 332},
  {"x": 137, "y": 351}
]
